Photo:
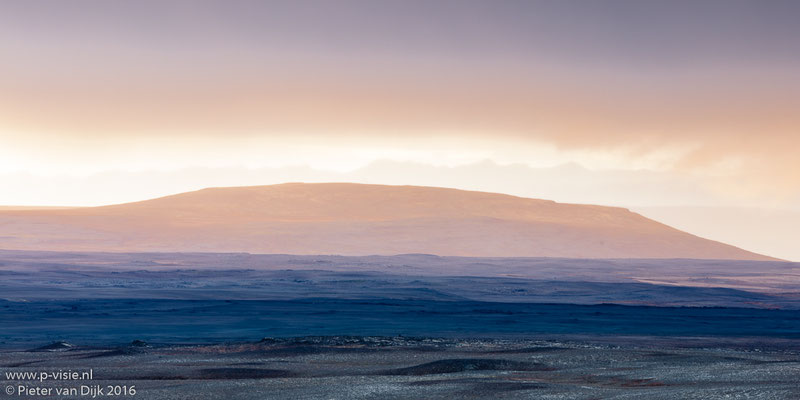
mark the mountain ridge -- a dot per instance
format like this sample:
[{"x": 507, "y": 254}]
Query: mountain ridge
[{"x": 357, "y": 219}]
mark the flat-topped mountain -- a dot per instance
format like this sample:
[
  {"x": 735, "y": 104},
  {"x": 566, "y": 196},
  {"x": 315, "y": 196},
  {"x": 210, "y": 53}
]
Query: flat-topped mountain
[{"x": 357, "y": 219}]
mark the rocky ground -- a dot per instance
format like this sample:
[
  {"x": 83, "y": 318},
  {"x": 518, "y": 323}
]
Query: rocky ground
[
  {"x": 187, "y": 326},
  {"x": 424, "y": 368}
]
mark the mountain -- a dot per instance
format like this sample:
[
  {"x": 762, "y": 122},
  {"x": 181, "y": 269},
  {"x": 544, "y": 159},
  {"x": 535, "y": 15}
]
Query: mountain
[
  {"x": 765, "y": 230},
  {"x": 356, "y": 219}
]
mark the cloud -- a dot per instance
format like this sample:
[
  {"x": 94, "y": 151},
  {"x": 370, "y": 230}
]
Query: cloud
[{"x": 708, "y": 90}]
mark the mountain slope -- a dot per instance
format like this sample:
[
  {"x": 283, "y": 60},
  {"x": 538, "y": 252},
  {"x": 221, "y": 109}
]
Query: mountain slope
[{"x": 354, "y": 219}]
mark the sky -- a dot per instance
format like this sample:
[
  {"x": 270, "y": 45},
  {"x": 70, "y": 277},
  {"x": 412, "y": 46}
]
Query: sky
[{"x": 646, "y": 104}]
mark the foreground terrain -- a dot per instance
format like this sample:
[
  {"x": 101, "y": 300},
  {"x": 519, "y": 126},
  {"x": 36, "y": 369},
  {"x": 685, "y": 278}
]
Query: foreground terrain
[
  {"x": 108, "y": 299},
  {"x": 242, "y": 326},
  {"x": 417, "y": 368}
]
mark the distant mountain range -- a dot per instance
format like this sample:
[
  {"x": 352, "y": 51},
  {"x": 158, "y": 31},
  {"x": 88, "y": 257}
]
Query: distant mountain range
[{"x": 357, "y": 219}]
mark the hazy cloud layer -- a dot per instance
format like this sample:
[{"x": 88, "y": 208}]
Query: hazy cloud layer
[{"x": 707, "y": 89}]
